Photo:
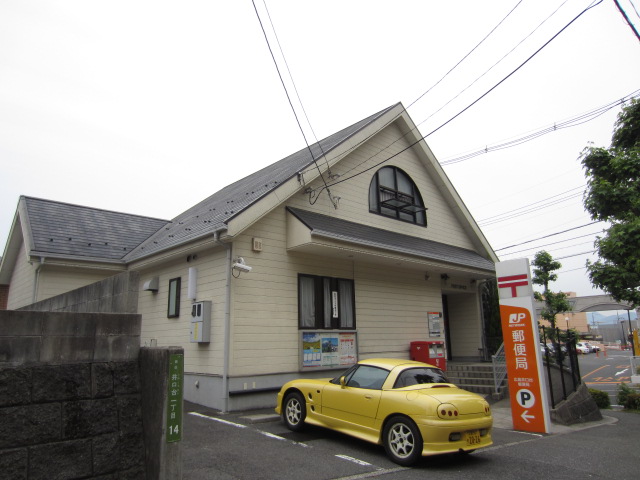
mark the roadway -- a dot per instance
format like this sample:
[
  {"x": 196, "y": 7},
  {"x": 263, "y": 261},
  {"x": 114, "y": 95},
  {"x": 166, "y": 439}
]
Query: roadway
[
  {"x": 257, "y": 446},
  {"x": 605, "y": 371}
]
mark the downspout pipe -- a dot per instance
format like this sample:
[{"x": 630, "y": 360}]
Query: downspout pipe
[
  {"x": 227, "y": 326},
  {"x": 36, "y": 283}
]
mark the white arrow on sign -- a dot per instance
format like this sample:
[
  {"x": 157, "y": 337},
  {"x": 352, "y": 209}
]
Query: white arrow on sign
[{"x": 526, "y": 417}]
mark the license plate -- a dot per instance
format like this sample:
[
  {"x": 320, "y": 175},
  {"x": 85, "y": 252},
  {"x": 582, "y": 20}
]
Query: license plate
[{"x": 472, "y": 437}]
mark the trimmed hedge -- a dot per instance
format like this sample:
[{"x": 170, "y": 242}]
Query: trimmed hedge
[
  {"x": 632, "y": 402},
  {"x": 624, "y": 391},
  {"x": 601, "y": 398}
]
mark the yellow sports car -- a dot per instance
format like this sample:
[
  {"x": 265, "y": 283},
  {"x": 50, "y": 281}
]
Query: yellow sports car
[{"x": 409, "y": 407}]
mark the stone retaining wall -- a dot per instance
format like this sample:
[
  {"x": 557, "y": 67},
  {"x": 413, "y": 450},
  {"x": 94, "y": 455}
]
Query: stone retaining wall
[
  {"x": 116, "y": 294},
  {"x": 70, "y": 398}
]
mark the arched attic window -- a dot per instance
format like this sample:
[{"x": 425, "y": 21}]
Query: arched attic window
[{"x": 392, "y": 193}]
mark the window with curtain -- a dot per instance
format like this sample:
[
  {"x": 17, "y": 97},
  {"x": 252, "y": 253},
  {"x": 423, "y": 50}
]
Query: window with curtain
[
  {"x": 325, "y": 303},
  {"x": 392, "y": 193}
]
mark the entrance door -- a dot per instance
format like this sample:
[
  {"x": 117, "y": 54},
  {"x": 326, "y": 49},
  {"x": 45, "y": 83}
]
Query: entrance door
[{"x": 445, "y": 318}]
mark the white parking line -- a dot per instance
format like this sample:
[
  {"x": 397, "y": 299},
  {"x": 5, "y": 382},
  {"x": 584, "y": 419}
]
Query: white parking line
[
  {"x": 270, "y": 435},
  {"x": 377, "y": 473},
  {"x": 239, "y": 425},
  {"x": 527, "y": 433},
  {"x": 226, "y": 422},
  {"x": 354, "y": 460}
]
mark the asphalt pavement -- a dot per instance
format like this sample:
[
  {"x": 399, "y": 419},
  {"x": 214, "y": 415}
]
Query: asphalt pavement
[{"x": 256, "y": 445}]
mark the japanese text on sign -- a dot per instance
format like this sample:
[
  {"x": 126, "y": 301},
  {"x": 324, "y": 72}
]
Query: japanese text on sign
[{"x": 174, "y": 400}]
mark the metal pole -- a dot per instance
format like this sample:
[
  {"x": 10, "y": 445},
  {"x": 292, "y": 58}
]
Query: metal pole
[
  {"x": 633, "y": 347},
  {"x": 561, "y": 364}
]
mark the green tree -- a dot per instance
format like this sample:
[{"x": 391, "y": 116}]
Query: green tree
[
  {"x": 491, "y": 315},
  {"x": 613, "y": 195},
  {"x": 543, "y": 274}
]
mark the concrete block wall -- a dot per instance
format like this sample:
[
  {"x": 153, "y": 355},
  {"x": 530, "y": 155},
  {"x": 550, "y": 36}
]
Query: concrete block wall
[
  {"x": 70, "y": 396},
  {"x": 116, "y": 294}
]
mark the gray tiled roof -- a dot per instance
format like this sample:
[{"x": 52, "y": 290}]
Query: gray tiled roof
[
  {"x": 75, "y": 231},
  {"x": 213, "y": 213},
  {"x": 339, "y": 229}
]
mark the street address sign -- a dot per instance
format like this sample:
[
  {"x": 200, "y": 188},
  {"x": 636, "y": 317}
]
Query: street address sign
[
  {"x": 174, "y": 400},
  {"x": 527, "y": 389}
]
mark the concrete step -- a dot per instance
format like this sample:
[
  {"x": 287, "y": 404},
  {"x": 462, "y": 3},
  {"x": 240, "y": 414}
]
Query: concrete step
[
  {"x": 471, "y": 380},
  {"x": 466, "y": 367},
  {"x": 469, "y": 374},
  {"x": 477, "y": 378}
]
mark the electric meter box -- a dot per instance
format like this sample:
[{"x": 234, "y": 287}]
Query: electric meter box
[{"x": 200, "y": 322}]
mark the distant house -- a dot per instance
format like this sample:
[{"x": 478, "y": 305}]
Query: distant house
[{"x": 273, "y": 277}]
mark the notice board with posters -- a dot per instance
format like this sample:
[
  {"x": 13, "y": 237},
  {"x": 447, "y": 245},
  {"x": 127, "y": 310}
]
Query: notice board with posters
[{"x": 321, "y": 350}]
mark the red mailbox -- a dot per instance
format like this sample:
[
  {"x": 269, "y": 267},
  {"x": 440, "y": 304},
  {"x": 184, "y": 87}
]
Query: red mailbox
[{"x": 429, "y": 352}]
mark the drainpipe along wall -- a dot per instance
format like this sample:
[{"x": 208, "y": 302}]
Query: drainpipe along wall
[
  {"x": 36, "y": 282},
  {"x": 227, "y": 326}
]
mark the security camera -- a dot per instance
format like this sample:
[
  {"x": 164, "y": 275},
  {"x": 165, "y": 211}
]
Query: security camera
[{"x": 240, "y": 265}]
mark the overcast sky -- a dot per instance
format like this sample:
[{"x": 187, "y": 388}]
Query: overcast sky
[{"x": 149, "y": 107}]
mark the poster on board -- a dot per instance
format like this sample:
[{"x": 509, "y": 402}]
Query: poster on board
[{"x": 329, "y": 349}]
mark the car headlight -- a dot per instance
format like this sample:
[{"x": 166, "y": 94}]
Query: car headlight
[{"x": 447, "y": 411}]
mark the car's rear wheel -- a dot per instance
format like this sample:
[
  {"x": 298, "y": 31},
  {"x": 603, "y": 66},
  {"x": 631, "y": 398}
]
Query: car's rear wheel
[
  {"x": 294, "y": 411},
  {"x": 402, "y": 441}
]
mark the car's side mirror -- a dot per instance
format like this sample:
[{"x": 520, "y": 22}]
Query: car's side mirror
[{"x": 343, "y": 382}]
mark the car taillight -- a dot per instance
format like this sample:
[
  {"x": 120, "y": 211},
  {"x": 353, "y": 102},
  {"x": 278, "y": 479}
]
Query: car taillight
[{"x": 447, "y": 411}]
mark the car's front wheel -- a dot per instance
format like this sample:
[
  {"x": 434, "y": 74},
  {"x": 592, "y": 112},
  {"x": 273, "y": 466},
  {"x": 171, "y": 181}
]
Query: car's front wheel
[
  {"x": 402, "y": 441},
  {"x": 294, "y": 411}
]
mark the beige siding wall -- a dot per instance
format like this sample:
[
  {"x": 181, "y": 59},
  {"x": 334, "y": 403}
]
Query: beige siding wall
[
  {"x": 211, "y": 281},
  {"x": 392, "y": 309},
  {"x": 464, "y": 325},
  {"x": 442, "y": 227},
  {"x": 391, "y": 306},
  {"x": 56, "y": 280},
  {"x": 22, "y": 282}
]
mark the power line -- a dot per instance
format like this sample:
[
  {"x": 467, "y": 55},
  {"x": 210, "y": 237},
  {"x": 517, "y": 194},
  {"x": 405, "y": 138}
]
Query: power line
[
  {"x": 552, "y": 243},
  {"x": 291, "y": 103},
  {"x": 547, "y": 236},
  {"x": 412, "y": 103},
  {"x": 572, "y": 270},
  {"x": 464, "y": 58},
  {"x": 624, "y": 14},
  {"x": 470, "y": 105},
  {"x": 571, "y": 122},
  {"x": 532, "y": 207},
  {"x": 531, "y": 210},
  {"x": 634, "y": 8},
  {"x": 514, "y": 71},
  {"x": 555, "y": 249},
  {"x": 495, "y": 64},
  {"x": 575, "y": 255}
]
